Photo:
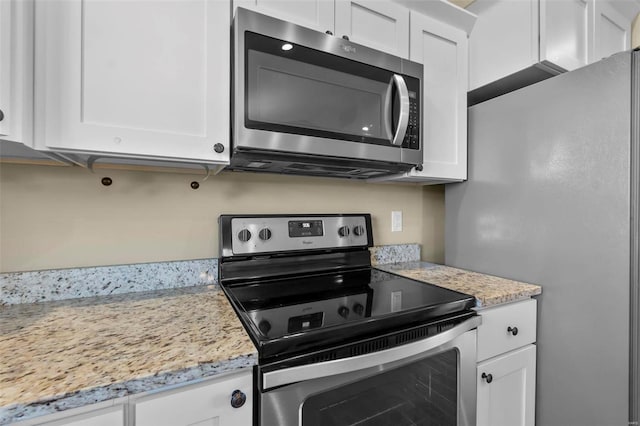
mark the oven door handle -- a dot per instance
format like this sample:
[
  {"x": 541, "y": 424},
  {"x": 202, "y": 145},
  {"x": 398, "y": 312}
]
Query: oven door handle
[{"x": 287, "y": 376}]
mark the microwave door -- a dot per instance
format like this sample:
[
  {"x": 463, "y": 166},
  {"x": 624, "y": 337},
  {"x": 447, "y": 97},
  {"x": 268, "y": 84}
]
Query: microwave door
[{"x": 397, "y": 109}]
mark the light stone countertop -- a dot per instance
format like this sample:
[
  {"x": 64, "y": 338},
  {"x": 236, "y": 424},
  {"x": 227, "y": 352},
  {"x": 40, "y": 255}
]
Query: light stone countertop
[
  {"x": 65, "y": 354},
  {"x": 487, "y": 289}
]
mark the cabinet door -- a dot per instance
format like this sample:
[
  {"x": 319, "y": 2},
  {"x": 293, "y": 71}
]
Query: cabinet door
[
  {"x": 566, "y": 32},
  {"x": 16, "y": 70},
  {"x": 381, "y": 25},
  {"x": 205, "y": 404},
  {"x": 504, "y": 39},
  {"x": 106, "y": 417},
  {"x": 442, "y": 50},
  {"x": 612, "y": 31},
  {"x": 134, "y": 78},
  {"x": 315, "y": 14},
  {"x": 506, "y": 395},
  {"x": 5, "y": 67}
]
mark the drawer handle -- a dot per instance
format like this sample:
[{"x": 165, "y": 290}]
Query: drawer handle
[
  {"x": 513, "y": 330},
  {"x": 238, "y": 398},
  {"x": 487, "y": 377}
]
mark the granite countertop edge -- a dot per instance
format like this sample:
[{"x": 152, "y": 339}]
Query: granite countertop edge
[{"x": 136, "y": 386}]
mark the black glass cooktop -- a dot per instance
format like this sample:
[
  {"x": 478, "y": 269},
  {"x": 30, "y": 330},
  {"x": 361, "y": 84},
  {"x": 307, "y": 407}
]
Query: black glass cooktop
[{"x": 291, "y": 315}]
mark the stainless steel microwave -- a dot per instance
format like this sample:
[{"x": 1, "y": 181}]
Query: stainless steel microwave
[{"x": 306, "y": 102}]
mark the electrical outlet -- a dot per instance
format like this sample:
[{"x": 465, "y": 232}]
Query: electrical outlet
[{"x": 396, "y": 221}]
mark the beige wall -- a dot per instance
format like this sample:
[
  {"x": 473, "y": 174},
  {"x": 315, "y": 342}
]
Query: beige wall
[{"x": 60, "y": 217}]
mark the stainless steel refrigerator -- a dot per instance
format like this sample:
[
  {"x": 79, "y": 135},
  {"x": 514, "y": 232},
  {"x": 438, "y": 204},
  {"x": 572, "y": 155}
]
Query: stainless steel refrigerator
[{"x": 552, "y": 199}]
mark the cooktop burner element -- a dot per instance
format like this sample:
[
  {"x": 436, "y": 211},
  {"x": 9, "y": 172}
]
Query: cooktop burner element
[{"x": 304, "y": 283}]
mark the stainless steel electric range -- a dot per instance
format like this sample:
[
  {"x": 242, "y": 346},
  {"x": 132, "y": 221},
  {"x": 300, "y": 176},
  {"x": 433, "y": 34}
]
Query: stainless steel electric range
[{"x": 340, "y": 342}]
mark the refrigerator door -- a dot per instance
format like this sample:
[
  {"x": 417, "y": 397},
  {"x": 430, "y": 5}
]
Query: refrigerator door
[{"x": 548, "y": 202}]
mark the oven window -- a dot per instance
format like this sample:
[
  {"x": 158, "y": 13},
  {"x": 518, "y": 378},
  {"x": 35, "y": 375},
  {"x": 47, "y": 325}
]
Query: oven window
[{"x": 422, "y": 393}]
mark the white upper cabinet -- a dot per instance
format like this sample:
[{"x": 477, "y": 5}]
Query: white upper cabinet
[
  {"x": 16, "y": 85},
  {"x": 442, "y": 49},
  {"x": 136, "y": 78},
  {"x": 613, "y": 30},
  {"x": 504, "y": 39},
  {"x": 381, "y": 25},
  {"x": 315, "y": 14},
  {"x": 561, "y": 35},
  {"x": 565, "y": 28},
  {"x": 16, "y": 70}
]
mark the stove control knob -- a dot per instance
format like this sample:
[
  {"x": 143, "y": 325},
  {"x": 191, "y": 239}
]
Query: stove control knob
[
  {"x": 358, "y": 309},
  {"x": 359, "y": 230},
  {"x": 244, "y": 235},
  {"x": 265, "y": 234},
  {"x": 343, "y": 231},
  {"x": 264, "y": 326},
  {"x": 343, "y": 311}
]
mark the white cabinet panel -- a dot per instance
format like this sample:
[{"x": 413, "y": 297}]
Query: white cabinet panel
[
  {"x": 135, "y": 78},
  {"x": 506, "y": 327},
  {"x": 316, "y": 14},
  {"x": 442, "y": 50},
  {"x": 106, "y": 417},
  {"x": 504, "y": 39},
  {"x": 506, "y": 389},
  {"x": 16, "y": 70},
  {"x": 612, "y": 29},
  {"x": 204, "y": 404},
  {"x": 381, "y": 25},
  {"x": 121, "y": 74},
  {"x": 5, "y": 67},
  {"x": 565, "y": 35}
]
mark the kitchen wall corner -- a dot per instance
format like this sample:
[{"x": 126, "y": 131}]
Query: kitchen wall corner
[{"x": 433, "y": 224}]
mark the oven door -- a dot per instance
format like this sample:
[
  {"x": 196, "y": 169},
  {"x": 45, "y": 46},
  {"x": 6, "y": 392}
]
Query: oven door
[
  {"x": 427, "y": 382},
  {"x": 302, "y": 92}
]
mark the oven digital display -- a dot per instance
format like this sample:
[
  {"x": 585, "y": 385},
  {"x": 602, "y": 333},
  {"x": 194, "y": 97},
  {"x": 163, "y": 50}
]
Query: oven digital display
[
  {"x": 305, "y": 322},
  {"x": 305, "y": 228}
]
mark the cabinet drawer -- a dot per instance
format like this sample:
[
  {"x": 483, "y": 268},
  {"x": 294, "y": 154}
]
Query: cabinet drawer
[{"x": 497, "y": 333}]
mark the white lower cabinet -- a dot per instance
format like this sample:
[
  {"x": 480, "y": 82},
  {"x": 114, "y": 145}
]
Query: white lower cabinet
[
  {"x": 506, "y": 372},
  {"x": 202, "y": 404},
  {"x": 225, "y": 400},
  {"x": 106, "y": 417},
  {"x": 507, "y": 389}
]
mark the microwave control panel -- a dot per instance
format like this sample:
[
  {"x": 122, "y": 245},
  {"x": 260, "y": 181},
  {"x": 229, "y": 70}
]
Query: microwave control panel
[{"x": 412, "y": 137}]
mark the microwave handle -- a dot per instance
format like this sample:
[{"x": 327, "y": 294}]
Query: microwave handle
[
  {"x": 403, "y": 122},
  {"x": 347, "y": 365}
]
